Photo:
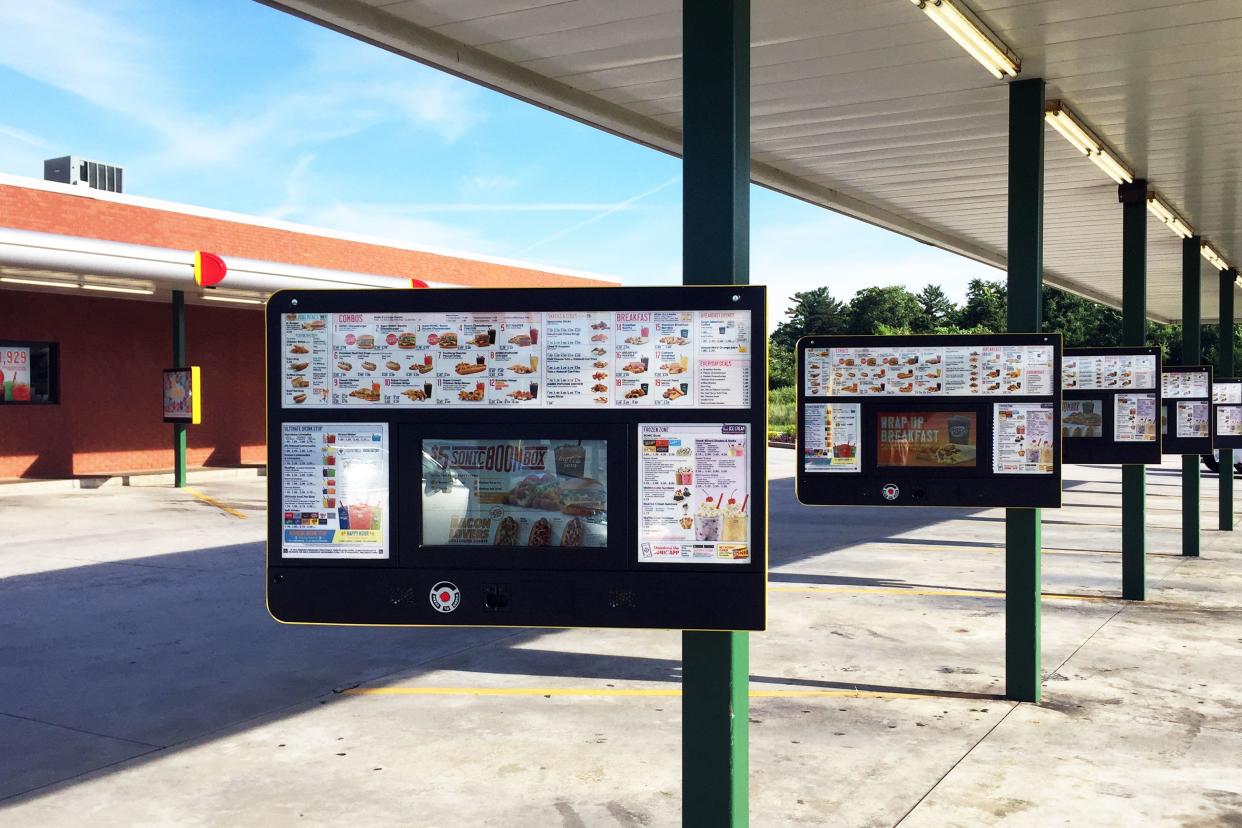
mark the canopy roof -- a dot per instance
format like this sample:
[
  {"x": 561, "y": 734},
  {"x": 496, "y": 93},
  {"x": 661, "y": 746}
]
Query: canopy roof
[{"x": 868, "y": 108}]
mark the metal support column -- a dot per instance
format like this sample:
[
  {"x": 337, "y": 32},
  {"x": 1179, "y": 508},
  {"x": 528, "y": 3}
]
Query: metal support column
[
  {"x": 715, "y": 250},
  {"x": 1224, "y": 365},
  {"x": 1191, "y": 355},
  {"x": 1026, "y": 265},
  {"x": 1134, "y": 332},
  {"x": 178, "y": 343}
]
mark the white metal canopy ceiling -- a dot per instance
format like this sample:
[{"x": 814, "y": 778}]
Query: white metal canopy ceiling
[{"x": 866, "y": 107}]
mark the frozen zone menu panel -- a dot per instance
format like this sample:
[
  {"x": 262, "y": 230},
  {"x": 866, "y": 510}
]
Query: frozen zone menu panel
[
  {"x": 587, "y": 457},
  {"x": 936, "y": 420},
  {"x": 544, "y": 359}
]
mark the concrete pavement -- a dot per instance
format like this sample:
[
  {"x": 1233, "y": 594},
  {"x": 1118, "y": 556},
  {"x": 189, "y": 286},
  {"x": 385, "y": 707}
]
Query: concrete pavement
[{"x": 147, "y": 685}]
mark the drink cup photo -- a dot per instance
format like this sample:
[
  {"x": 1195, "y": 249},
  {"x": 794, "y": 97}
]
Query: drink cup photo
[
  {"x": 534, "y": 389},
  {"x": 534, "y": 336}
]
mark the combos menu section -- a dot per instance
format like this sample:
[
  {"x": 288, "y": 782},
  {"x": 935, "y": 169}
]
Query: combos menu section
[{"x": 578, "y": 359}]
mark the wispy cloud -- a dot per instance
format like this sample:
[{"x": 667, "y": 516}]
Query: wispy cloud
[
  {"x": 603, "y": 214},
  {"x": 22, "y": 136}
]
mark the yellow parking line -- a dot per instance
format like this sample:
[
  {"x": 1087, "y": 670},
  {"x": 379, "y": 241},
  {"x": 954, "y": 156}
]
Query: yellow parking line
[
  {"x": 213, "y": 502},
  {"x": 959, "y": 593},
  {"x": 635, "y": 692}
]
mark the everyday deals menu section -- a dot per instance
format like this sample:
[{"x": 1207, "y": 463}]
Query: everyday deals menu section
[{"x": 576, "y": 359}]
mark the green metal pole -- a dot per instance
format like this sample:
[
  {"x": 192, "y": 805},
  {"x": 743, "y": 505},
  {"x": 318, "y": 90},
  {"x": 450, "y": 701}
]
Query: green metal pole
[
  {"x": 1026, "y": 265},
  {"x": 1224, "y": 363},
  {"x": 1134, "y": 332},
  {"x": 1191, "y": 278},
  {"x": 178, "y": 343},
  {"x": 715, "y": 749}
]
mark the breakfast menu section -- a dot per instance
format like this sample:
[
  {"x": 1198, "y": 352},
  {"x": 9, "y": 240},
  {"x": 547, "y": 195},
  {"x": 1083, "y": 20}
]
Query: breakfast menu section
[
  {"x": 334, "y": 490},
  {"x": 579, "y": 359},
  {"x": 694, "y": 493},
  {"x": 1001, "y": 370},
  {"x": 1108, "y": 372}
]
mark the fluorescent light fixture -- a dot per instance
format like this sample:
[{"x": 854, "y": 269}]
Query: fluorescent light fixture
[
  {"x": 1085, "y": 141},
  {"x": 1212, "y": 256},
  {"x": 1165, "y": 213},
  {"x": 981, "y": 44},
  {"x": 40, "y": 282},
  {"x": 118, "y": 289},
  {"x": 241, "y": 300}
]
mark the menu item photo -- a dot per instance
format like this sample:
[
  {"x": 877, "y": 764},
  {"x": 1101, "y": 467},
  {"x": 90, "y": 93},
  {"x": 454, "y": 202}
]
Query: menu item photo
[
  {"x": 927, "y": 439},
  {"x": 1082, "y": 418}
]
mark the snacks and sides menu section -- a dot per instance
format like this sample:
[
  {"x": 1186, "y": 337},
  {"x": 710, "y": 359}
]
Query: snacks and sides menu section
[
  {"x": 830, "y": 437},
  {"x": 1134, "y": 418},
  {"x": 1022, "y": 438},
  {"x": 334, "y": 490},
  {"x": 999, "y": 370},
  {"x": 1108, "y": 372},
  {"x": 580, "y": 359},
  {"x": 1185, "y": 384},
  {"x": 694, "y": 493},
  {"x": 511, "y": 493},
  {"x": 1192, "y": 418}
]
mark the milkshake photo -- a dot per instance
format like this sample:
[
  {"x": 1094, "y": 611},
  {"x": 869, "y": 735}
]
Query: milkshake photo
[{"x": 707, "y": 521}]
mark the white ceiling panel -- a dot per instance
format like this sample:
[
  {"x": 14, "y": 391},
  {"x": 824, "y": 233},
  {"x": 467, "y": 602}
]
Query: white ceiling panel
[{"x": 865, "y": 107}]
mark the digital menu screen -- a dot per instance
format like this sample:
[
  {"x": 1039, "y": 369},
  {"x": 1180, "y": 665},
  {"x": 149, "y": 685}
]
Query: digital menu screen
[
  {"x": 514, "y": 493},
  {"x": 927, "y": 439},
  {"x": 1082, "y": 418}
]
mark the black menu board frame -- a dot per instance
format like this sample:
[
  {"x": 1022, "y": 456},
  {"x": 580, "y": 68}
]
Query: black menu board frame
[
  {"x": 1106, "y": 448},
  {"x": 1225, "y": 441},
  {"x": 1171, "y": 442},
  {"x": 545, "y": 579},
  {"x": 946, "y": 470}
]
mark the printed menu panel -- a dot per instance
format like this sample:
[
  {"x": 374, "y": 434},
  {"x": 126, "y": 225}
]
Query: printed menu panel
[
  {"x": 1227, "y": 393},
  {"x": 334, "y": 490},
  {"x": 572, "y": 359},
  {"x": 305, "y": 353},
  {"x": 1109, "y": 372},
  {"x": 927, "y": 439},
  {"x": 1082, "y": 418},
  {"x": 1022, "y": 438},
  {"x": 959, "y": 370},
  {"x": 1185, "y": 384},
  {"x": 515, "y": 493},
  {"x": 1134, "y": 418},
  {"x": 830, "y": 437},
  {"x": 1229, "y": 421},
  {"x": 694, "y": 493},
  {"x": 1192, "y": 419}
]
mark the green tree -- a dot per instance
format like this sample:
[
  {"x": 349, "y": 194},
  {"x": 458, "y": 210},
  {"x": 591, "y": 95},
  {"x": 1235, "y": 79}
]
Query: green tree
[
  {"x": 812, "y": 312},
  {"x": 985, "y": 308},
  {"x": 1082, "y": 322},
  {"x": 935, "y": 310},
  {"x": 894, "y": 307}
]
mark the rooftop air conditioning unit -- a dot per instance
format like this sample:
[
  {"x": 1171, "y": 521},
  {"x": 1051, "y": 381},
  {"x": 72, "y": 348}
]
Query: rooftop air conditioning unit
[{"x": 73, "y": 170}]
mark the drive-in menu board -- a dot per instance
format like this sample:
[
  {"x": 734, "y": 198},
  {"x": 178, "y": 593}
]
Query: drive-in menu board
[
  {"x": 694, "y": 493},
  {"x": 1227, "y": 408},
  {"x": 579, "y": 359},
  {"x": 1111, "y": 405},
  {"x": 951, "y": 371},
  {"x": 334, "y": 490}
]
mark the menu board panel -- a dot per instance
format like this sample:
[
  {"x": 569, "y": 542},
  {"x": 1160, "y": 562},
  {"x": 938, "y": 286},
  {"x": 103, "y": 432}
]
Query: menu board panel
[
  {"x": 1229, "y": 421},
  {"x": 927, "y": 439},
  {"x": 1192, "y": 419},
  {"x": 1185, "y": 384},
  {"x": 334, "y": 490},
  {"x": 1225, "y": 392},
  {"x": 578, "y": 359},
  {"x": 1109, "y": 372},
  {"x": 954, "y": 370},
  {"x": 1134, "y": 418},
  {"x": 694, "y": 493},
  {"x": 515, "y": 493},
  {"x": 1023, "y": 438},
  {"x": 830, "y": 438}
]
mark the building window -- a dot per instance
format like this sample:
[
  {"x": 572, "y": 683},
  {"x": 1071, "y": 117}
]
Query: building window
[{"x": 29, "y": 373}]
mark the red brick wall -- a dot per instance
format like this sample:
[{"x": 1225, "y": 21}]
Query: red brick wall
[
  {"x": 78, "y": 215},
  {"x": 112, "y": 354}
]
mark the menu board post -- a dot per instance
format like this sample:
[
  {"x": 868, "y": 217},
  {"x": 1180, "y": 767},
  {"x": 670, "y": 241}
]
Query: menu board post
[
  {"x": 930, "y": 420},
  {"x": 506, "y": 457}
]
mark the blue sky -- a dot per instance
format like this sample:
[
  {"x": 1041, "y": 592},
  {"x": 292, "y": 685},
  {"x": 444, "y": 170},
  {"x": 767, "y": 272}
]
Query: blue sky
[{"x": 229, "y": 104}]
